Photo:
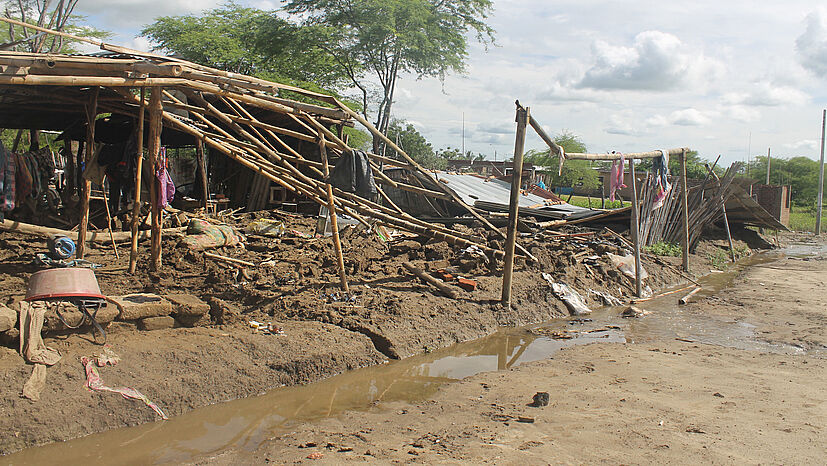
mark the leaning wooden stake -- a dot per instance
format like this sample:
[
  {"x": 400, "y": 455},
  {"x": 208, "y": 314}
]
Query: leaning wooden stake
[
  {"x": 331, "y": 209},
  {"x": 635, "y": 230},
  {"x": 684, "y": 203},
  {"x": 136, "y": 204},
  {"x": 514, "y": 204},
  {"x": 154, "y": 146},
  {"x": 202, "y": 168},
  {"x": 726, "y": 224},
  {"x": 91, "y": 114},
  {"x": 109, "y": 223}
]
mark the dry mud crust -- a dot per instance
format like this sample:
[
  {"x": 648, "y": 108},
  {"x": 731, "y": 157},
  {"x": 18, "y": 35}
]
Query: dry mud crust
[
  {"x": 179, "y": 369},
  {"x": 663, "y": 402}
]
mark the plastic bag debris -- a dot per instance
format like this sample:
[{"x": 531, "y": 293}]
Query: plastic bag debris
[
  {"x": 574, "y": 302},
  {"x": 266, "y": 227},
  {"x": 626, "y": 264}
]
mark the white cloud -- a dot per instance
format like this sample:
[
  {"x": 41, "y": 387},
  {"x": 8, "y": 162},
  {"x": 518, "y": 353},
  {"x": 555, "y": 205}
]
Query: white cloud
[
  {"x": 656, "y": 62},
  {"x": 556, "y": 92},
  {"x": 808, "y": 144},
  {"x": 767, "y": 95},
  {"x": 689, "y": 117},
  {"x": 812, "y": 44},
  {"x": 122, "y": 14}
]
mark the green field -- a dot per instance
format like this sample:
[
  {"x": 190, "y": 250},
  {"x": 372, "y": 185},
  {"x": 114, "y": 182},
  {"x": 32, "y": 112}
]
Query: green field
[{"x": 804, "y": 219}]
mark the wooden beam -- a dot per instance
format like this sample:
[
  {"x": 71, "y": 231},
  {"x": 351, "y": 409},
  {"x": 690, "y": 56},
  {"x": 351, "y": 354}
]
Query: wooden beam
[
  {"x": 334, "y": 223},
  {"x": 634, "y": 227},
  {"x": 685, "y": 221}
]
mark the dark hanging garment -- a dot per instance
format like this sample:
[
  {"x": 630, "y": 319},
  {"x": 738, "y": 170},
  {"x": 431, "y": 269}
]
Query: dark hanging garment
[{"x": 353, "y": 173}]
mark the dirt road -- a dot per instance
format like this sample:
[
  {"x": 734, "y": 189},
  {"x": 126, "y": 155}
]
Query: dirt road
[{"x": 655, "y": 401}]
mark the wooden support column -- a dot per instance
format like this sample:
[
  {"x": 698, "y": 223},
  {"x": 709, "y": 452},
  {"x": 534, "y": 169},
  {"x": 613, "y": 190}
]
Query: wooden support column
[
  {"x": 685, "y": 206},
  {"x": 154, "y": 147},
  {"x": 331, "y": 208},
  {"x": 202, "y": 169},
  {"x": 634, "y": 228},
  {"x": 514, "y": 204},
  {"x": 91, "y": 114},
  {"x": 136, "y": 204}
]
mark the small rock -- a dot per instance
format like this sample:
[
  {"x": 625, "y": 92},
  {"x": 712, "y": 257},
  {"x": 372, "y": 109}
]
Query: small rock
[
  {"x": 526, "y": 419},
  {"x": 718, "y": 395},
  {"x": 156, "y": 323},
  {"x": 540, "y": 399},
  {"x": 315, "y": 456},
  {"x": 634, "y": 311}
]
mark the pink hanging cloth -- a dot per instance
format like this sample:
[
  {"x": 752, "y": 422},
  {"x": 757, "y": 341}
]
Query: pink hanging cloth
[
  {"x": 616, "y": 176},
  {"x": 166, "y": 187}
]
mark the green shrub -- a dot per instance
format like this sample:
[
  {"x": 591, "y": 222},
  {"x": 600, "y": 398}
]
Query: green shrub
[{"x": 662, "y": 248}]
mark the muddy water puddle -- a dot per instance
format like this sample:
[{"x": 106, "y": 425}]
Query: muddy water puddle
[{"x": 245, "y": 424}]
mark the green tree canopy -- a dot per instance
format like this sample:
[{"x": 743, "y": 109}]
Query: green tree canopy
[
  {"x": 800, "y": 173},
  {"x": 414, "y": 144},
  {"x": 249, "y": 41},
  {"x": 375, "y": 40}
]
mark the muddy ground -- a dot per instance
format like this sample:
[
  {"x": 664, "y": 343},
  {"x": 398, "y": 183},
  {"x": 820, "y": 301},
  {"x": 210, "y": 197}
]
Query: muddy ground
[
  {"x": 393, "y": 316},
  {"x": 670, "y": 400}
]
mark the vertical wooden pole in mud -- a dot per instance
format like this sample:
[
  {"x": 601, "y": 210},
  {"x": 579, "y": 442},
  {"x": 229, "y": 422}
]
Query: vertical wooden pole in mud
[
  {"x": 331, "y": 209},
  {"x": 685, "y": 208},
  {"x": 154, "y": 147},
  {"x": 821, "y": 175},
  {"x": 202, "y": 168},
  {"x": 523, "y": 114},
  {"x": 91, "y": 115},
  {"x": 634, "y": 228},
  {"x": 136, "y": 204}
]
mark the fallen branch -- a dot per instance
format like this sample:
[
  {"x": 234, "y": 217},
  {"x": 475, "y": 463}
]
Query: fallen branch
[
  {"x": 444, "y": 289},
  {"x": 101, "y": 237},
  {"x": 231, "y": 260}
]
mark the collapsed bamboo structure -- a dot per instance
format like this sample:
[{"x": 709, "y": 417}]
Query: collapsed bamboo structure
[{"x": 255, "y": 122}]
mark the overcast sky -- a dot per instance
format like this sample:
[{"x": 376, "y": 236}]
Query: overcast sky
[{"x": 717, "y": 76}]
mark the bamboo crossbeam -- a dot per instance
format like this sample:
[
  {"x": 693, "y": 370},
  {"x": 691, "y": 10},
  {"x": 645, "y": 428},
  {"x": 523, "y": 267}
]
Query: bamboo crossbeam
[
  {"x": 631, "y": 155},
  {"x": 87, "y": 81}
]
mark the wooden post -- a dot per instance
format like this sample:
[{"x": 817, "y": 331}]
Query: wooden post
[
  {"x": 769, "y": 161},
  {"x": 136, "y": 204},
  {"x": 202, "y": 168},
  {"x": 634, "y": 228},
  {"x": 821, "y": 176},
  {"x": 331, "y": 209},
  {"x": 154, "y": 147},
  {"x": 91, "y": 114},
  {"x": 684, "y": 204},
  {"x": 514, "y": 204}
]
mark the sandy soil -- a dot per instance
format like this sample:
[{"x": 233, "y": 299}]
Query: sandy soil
[
  {"x": 662, "y": 401},
  {"x": 394, "y": 316}
]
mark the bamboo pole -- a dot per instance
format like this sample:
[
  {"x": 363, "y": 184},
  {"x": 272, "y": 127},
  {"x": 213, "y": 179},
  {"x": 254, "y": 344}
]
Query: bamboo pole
[
  {"x": 425, "y": 277},
  {"x": 635, "y": 229},
  {"x": 109, "y": 223},
  {"x": 628, "y": 156},
  {"x": 154, "y": 147},
  {"x": 91, "y": 115},
  {"x": 685, "y": 204},
  {"x": 334, "y": 223},
  {"x": 136, "y": 203},
  {"x": 514, "y": 204}
]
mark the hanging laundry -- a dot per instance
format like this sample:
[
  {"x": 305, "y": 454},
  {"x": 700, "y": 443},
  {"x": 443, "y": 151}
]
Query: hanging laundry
[
  {"x": 33, "y": 349},
  {"x": 660, "y": 167},
  {"x": 616, "y": 176},
  {"x": 166, "y": 187},
  {"x": 23, "y": 180}
]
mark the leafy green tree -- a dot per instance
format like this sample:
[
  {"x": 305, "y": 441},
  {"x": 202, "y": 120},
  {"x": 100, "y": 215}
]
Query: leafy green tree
[
  {"x": 414, "y": 144},
  {"x": 800, "y": 173},
  {"x": 376, "y": 40},
  {"x": 248, "y": 41},
  {"x": 45, "y": 13},
  {"x": 575, "y": 172}
]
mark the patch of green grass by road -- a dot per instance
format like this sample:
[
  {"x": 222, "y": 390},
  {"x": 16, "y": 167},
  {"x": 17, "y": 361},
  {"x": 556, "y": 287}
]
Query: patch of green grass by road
[
  {"x": 804, "y": 219},
  {"x": 583, "y": 201}
]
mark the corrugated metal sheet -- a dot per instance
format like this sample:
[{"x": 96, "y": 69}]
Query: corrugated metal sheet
[{"x": 493, "y": 194}]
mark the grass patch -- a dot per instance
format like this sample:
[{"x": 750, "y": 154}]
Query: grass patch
[
  {"x": 594, "y": 202},
  {"x": 662, "y": 248}
]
